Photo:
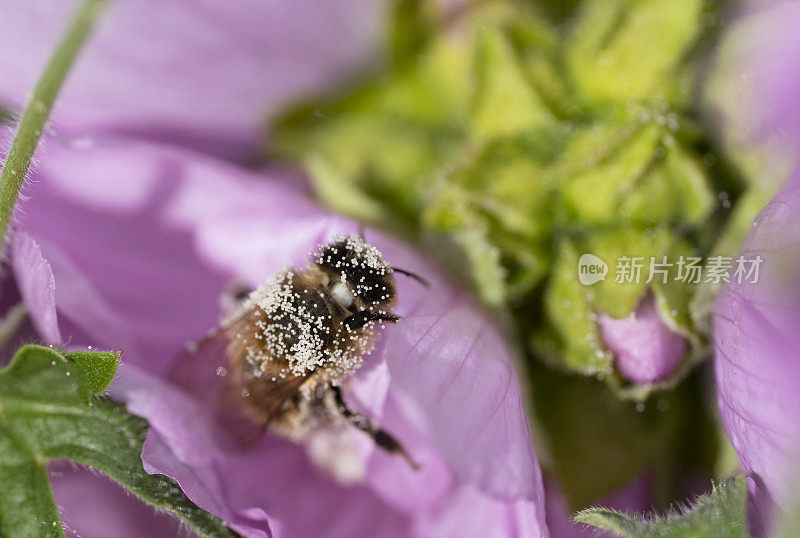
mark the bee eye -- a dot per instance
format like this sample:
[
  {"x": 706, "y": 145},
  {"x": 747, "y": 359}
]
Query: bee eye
[{"x": 341, "y": 295}]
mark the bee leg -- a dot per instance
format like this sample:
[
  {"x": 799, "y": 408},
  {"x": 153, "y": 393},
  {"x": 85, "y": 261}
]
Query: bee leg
[
  {"x": 381, "y": 437},
  {"x": 359, "y": 319},
  {"x": 409, "y": 274}
]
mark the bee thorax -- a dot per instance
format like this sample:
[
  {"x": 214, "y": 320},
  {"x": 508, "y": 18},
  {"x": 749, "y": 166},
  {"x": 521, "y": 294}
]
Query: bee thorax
[{"x": 291, "y": 322}]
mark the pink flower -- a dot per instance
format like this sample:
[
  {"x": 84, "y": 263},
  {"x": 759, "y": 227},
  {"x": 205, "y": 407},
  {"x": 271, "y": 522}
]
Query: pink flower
[
  {"x": 756, "y": 323},
  {"x": 132, "y": 245},
  {"x": 201, "y": 73},
  {"x": 756, "y": 339}
]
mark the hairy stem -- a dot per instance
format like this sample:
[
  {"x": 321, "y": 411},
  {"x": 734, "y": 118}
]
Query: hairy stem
[{"x": 38, "y": 110}]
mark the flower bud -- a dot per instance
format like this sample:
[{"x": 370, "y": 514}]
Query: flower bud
[{"x": 645, "y": 349}]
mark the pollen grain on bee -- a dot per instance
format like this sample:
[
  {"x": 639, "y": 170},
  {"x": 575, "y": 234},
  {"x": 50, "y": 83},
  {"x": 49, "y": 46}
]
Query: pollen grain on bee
[{"x": 293, "y": 326}]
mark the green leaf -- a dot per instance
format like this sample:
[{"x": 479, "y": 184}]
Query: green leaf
[
  {"x": 719, "y": 514},
  {"x": 98, "y": 367},
  {"x": 505, "y": 102},
  {"x": 410, "y": 31},
  {"x": 50, "y": 410},
  {"x": 593, "y": 195},
  {"x": 626, "y": 50}
]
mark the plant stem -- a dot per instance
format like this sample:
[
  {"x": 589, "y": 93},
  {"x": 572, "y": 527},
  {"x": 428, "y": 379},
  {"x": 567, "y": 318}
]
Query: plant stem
[{"x": 38, "y": 110}]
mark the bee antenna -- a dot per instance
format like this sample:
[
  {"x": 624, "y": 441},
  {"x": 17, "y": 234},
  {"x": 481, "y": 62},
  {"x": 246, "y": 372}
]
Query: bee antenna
[{"x": 412, "y": 275}]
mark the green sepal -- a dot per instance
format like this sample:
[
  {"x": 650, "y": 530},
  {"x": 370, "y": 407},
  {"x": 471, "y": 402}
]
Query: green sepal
[
  {"x": 505, "y": 103},
  {"x": 674, "y": 190},
  {"x": 628, "y": 50},
  {"x": 571, "y": 339},
  {"x": 97, "y": 367},
  {"x": 478, "y": 141},
  {"x": 593, "y": 196},
  {"x": 411, "y": 29},
  {"x": 718, "y": 514}
]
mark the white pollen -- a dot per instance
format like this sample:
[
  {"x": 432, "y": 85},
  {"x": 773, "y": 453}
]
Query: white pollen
[
  {"x": 295, "y": 327},
  {"x": 341, "y": 295}
]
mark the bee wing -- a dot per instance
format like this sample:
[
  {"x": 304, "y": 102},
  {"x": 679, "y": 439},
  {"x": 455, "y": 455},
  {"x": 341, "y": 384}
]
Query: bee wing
[
  {"x": 266, "y": 393},
  {"x": 203, "y": 370},
  {"x": 199, "y": 367}
]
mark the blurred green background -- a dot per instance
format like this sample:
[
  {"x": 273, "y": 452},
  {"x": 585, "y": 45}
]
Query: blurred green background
[{"x": 508, "y": 138}]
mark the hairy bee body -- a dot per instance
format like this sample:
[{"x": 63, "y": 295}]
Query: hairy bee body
[
  {"x": 283, "y": 354},
  {"x": 288, "y": 345},
  {"x": 281, "y": 359}
]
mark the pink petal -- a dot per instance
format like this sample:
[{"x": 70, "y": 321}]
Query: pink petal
[
  {"x": 92, "y": 506},
  {"x": 183, "y": 441},
  {"x": 124, "y": 279},
  {"x": 452, "y": 372},
  {"x": 36, "y": 285},
  {"x": 242, "y": 486},
  {"x": 756, "y": 340},
  {"x": 195, "y": 72},
  {"x": 770, "y": 49}
]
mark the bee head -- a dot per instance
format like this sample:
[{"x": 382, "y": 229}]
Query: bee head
[{"x": 358, "y": 270}]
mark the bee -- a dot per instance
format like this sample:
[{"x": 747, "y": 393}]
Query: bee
[{"x": 286, "y": 348}]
